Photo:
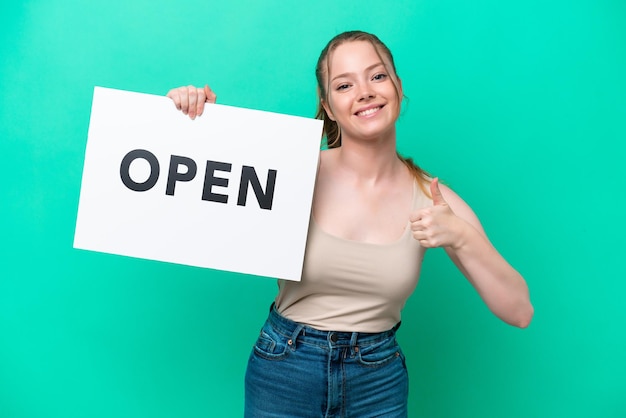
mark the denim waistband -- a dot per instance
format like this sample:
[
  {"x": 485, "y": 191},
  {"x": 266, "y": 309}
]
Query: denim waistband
[{"x": 296, "y": 330}]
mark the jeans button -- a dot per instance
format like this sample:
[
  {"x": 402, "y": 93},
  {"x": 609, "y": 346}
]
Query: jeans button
[{"x": 333, "y": 337}]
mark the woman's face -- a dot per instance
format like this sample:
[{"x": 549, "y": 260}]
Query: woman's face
[{"x": 362, "y": 97}]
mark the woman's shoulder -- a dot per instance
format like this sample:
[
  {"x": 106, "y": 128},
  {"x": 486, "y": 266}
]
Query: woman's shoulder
[
  {"x": 328, "y": 158},
  {"x": 329, "y": 153}
]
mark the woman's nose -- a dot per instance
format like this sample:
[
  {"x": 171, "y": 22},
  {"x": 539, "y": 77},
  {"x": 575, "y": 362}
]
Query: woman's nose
[{"x": 366, "y": 94}]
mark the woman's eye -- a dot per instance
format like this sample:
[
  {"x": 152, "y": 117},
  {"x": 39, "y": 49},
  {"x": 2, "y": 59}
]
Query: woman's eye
[
  {"x": 379, "y": 77},
  {"x": 342, "y": 86}
]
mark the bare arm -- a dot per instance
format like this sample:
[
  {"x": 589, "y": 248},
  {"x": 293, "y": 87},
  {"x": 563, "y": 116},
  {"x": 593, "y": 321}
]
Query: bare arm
[{"x": 450, "y": 223}]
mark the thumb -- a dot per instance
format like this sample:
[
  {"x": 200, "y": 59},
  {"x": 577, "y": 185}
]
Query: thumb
[
  {"x": 210, "y": 95},
  {"x": 436, "y": 193}
]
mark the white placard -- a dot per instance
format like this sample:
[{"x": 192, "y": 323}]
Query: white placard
[{"x": 230, "y": 190}]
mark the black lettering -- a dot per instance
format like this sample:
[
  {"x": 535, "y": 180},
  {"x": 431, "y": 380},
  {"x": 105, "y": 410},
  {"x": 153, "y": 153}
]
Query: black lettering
[
  {"x": 210, "y": 180},
  {"x": 125, "y": 170},
  {"x": 174, "y": 176},
  {"x": 248, "y": 176}
]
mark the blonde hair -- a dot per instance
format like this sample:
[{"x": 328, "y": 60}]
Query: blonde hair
[{"x": 332, "y": 131}]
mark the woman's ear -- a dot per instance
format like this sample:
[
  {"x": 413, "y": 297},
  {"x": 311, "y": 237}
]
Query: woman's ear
[{"x": 327, "y": 109}]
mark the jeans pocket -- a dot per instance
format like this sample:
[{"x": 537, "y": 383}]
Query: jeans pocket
[
  {"x": 271, "y": 345},
  {"x": 380, "y": 353}
]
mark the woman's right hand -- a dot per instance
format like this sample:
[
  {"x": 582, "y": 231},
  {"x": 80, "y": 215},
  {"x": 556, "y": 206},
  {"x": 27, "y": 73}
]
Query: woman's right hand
[{"x": 191, "y": 99}]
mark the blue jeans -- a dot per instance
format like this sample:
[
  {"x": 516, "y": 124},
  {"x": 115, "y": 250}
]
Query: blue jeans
[{"x": 298, "y": 371}]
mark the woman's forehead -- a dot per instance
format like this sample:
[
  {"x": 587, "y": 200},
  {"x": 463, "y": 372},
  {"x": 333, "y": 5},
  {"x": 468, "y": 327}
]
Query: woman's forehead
[{"x": 355, "y": 56}]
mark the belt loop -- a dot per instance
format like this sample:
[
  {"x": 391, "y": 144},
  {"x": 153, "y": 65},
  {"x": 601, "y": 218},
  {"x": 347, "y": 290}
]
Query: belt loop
[
  {"x": 353, "y": 344},
  {"x": 294, "y": 336}
]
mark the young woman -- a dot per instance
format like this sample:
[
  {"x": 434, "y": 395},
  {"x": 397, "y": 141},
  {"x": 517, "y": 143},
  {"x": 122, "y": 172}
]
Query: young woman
[{"x": 328, "y": 347}]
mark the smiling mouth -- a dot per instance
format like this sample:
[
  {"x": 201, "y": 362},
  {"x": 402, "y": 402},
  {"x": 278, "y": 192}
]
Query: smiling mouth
[{"x": 369, "y": 112}]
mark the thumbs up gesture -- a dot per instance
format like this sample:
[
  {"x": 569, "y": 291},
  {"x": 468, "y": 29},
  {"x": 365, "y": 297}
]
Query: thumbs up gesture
[{"x": 436, "y": 226}]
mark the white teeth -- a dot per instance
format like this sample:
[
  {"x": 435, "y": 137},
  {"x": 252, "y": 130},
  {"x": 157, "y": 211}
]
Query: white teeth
[{"x": 368, "y": 111}]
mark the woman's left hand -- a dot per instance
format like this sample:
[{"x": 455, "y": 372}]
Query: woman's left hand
[{"x": 437, "y": 226}]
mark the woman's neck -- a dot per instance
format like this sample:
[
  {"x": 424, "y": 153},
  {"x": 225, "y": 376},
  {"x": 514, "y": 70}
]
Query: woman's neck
[{"x": 369, "y": 161}]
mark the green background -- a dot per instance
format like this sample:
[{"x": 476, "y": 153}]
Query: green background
[{"x": 519, "y": 106}]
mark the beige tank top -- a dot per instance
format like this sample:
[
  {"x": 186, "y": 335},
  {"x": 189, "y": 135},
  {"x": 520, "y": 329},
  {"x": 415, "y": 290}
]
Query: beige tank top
[{"x": 353, "y": 286}]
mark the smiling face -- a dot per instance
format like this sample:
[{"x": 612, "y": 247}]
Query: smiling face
[{"x": 362, "y": 91}]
